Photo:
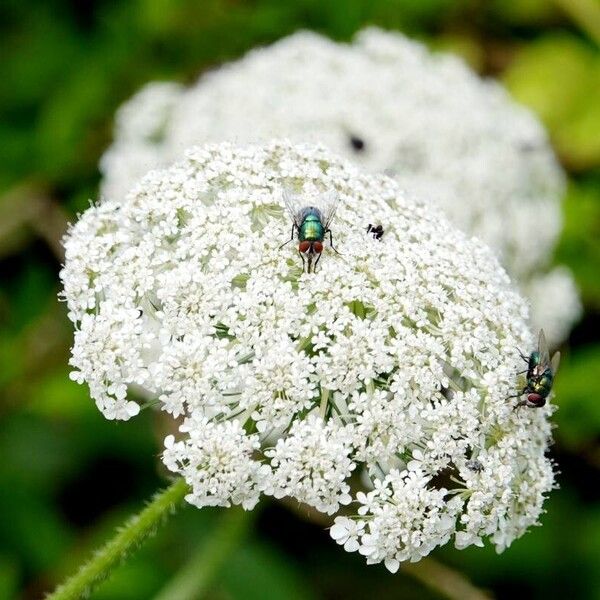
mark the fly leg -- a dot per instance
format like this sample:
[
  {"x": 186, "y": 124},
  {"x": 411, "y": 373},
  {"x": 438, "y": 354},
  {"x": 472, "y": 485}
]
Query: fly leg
[
  {"x": 524, "y": 391},
  {"x": 291, "y": 238},
  {"x": 304, "y": 262},
  {"x": 328, "y": 231},
  {"x": 317, "y": 262},
  {"x": 526, "y": 359},
  {"x": 309, "y": 260},
  {"x": 520, "y": 402}
]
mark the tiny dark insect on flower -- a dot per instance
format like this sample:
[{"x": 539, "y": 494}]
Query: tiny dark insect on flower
[
  {"x": 310, "y": 224},
  {"x": 474, "y": 465},
  {"x": 358, "y": 144},
  {"x": 376, "y": 231},
  {"x": 539, "y": 375}
]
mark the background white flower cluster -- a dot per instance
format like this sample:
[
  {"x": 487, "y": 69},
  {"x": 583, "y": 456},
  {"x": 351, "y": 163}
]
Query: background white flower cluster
[
  {"x": 390, "y": 105},
  {"x": 374, "y": 390}
]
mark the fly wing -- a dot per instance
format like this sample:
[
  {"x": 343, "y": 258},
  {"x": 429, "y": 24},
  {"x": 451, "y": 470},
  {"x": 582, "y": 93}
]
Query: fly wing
[
  {"x": 543, "y": 350},
  {"x": 555, "y": 362},
  {"x": 328, "y": 203},
  {"x": 292, "y": 205}
]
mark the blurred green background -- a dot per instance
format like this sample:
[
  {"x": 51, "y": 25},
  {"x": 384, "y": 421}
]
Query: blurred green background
[{"x": 67, "y": 476}]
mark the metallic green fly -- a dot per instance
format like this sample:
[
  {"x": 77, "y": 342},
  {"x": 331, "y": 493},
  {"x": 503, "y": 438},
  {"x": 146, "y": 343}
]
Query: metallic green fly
[
  {"x": 310, "y": 224},
  {"x": 540, "y": 374}
]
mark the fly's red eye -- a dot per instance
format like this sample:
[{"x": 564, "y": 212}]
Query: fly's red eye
[
  {"x": 304, "y": 247},
  {"x": 536, "y": 400},
  {"x": 318, "y": 247}
]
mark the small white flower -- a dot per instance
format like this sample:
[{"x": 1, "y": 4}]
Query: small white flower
[
  {"x": 346, "y": 532},
  {"x": 390, "y": 105},
  {"x": 143, "y": 126}
]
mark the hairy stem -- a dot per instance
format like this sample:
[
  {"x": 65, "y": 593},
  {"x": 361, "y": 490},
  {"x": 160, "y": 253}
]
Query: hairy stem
[
  {"x": 127, "y": 539},
  {"x": 196, "y": 576}
]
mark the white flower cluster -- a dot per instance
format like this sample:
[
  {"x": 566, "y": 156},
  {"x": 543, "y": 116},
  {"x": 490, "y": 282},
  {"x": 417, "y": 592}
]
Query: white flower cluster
[
  {"x": 390, "y": 105},
  {"x": 143, "y": 126},
  {"x": 216, "y": 459},
  {"x": 380, "y": 382}
]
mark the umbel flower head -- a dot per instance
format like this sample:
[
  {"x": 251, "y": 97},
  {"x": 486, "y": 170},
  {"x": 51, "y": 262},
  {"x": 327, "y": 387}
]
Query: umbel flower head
[
  {"x": 374, "y": 390},
  {"x": 390, "y": 105}
]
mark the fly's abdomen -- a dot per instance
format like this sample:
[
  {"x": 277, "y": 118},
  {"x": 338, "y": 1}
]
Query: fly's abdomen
[{"x": 312, "y": 229}]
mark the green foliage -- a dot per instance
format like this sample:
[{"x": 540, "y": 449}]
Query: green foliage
[
  {"x": 559, "y": 77},
  {"x": 578, "y": 418},
  {"x": 580, "y": 244},
  {"x": 68, "y": 476},
  {"x": 259, "y": 572},
  {"x": 525, "y": 12}
]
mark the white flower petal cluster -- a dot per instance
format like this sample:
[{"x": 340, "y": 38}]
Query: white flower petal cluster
[
  {"x": 404, "y": 518},
  {"x": 311, "y": 464},
  {"x": 391, "y": 106},
  {"x": 143, "y": 125},
  {"x": 216, "y": 460},
  {"x": 374, "y": 389},
  {"x": 554, "y": 302}
]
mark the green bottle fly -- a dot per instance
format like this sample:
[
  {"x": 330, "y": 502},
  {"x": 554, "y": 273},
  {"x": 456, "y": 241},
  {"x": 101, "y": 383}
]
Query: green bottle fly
[
  {"x": 310, "y": 225},
  {"x": 539, "y": 376}
]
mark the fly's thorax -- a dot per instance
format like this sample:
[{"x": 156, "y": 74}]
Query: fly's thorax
[
  {"x": 312, "y": 228},
  {"x": 310, "y": 211},
  {"x": 542, "y": 385},
  {"x": 534, "y": 360}
]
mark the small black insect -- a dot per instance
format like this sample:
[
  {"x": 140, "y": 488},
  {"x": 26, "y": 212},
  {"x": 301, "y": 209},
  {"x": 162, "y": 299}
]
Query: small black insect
[
  {"x": 358, "y": 144},
  {"x": 474, "y": 465},
  {"x": 376, "y": 231}
]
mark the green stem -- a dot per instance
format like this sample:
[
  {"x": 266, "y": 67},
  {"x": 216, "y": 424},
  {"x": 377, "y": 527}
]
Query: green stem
[
  {"x": 193, "y": 581},
  {"x": 128, "y": 538},
  {"x": 324, "y": 401},
  {"x": 445, "y": 581}
]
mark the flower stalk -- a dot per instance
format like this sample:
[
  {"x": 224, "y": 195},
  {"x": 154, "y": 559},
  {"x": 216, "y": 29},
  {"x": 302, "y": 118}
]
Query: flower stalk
[{"x": 132, "y": 535}]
